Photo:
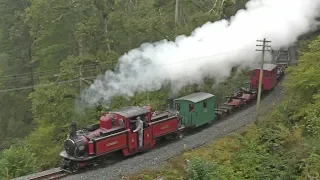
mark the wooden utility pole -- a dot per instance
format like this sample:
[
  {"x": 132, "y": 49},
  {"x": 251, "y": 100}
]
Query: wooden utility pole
[
  {"x": 176, "y": 17},
  {"x": 264, "y": 45}
]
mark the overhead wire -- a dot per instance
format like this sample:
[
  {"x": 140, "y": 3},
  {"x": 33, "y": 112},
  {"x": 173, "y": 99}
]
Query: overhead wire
[
  {"x": 56, "y": 71},
  {"x": 44, "y": 85},
  {"x": 93, "y": 77}
]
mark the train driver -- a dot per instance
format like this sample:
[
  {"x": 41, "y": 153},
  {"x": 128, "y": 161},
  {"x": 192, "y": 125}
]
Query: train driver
[{"x": 139, "y": 129}]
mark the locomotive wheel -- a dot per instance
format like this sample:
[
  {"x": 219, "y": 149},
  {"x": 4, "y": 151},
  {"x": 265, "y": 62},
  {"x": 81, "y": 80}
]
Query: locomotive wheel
[
  {"x": 62, "y": 164},
  {"x": 180, "y": 135},
  {"x": 168, "y": 137},
  {"x": 74, "y": 167}
]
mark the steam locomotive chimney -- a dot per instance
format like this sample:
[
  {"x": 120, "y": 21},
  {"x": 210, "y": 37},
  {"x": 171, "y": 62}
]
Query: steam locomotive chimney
[{"x": 73, "y": 128}]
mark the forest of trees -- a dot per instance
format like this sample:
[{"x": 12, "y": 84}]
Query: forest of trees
[
  {"x": 284, "y": 145},
  {"x": 50, "y": 50}
]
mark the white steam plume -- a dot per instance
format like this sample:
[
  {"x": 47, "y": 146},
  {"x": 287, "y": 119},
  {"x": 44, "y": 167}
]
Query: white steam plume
[{"x": 211, "y": 50}]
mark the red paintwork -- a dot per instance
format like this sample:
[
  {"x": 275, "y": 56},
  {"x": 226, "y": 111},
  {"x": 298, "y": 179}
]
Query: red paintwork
[
  {"x": 269, "y": 79},
  {"x": 147, "y": 138},
  {"x": 105, "y": 122},
  {"x": 111, "y": 143},
  {"x": 240, "y": 98},
  {"x": 248, "y": 96},
  {"x": 96, "y": 133},
  {"x": 91, "y": 148},
  {"x": 164, "y": 127},
  {"x": 148, "y": 107},
  {"x": 82, "y": 164},
  {"x": 235, "y": 102}
]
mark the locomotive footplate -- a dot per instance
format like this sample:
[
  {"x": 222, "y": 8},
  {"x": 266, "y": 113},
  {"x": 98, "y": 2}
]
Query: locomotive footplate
[{"x": 80, "y": 159}]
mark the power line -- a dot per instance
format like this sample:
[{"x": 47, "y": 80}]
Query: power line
[
  {"x": 77, "y": 79},
  {"x": 56, "y": 70},
  {"x": 14, "y": 78},
  {"x": 44, "y": 85}
]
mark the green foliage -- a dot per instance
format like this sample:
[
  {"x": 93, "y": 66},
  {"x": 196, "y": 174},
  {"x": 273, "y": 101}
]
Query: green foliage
[
  {"x": 16, "y": 161},
  {"x": 201, "y": 169},
  {"x": 303, "y": 84},
  {"x": 52, "y": 105},
  {"x": 311, "y": 167},
  {"x": 43, "y": 143},
  {"x": 15, "y": 116}
]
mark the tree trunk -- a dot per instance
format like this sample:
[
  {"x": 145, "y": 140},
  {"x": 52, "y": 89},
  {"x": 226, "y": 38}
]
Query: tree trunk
[
  {"x": 81, "y": 47},
  {"x": 130, "y": 6}
]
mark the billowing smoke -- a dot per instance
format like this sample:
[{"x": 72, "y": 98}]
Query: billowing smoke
[{"x": 211, "y": 50}]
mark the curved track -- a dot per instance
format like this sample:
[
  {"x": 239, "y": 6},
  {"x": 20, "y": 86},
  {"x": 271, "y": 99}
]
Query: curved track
[{"x": 158, "y": 156}]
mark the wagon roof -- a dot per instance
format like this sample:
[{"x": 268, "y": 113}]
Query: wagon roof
[
  {"x": 196, "y": 97},
  {"x": 131, "y": 111},
  {"x": 267, "y": 67}
]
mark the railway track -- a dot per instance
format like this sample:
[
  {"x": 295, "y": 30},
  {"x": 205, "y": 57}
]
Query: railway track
[
  {"x": 58, "y": 174},
  {"x": 283, "y": 56}
]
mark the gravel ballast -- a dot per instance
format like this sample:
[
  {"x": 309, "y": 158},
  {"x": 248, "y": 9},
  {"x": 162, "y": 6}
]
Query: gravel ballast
[{"x": 157, "y": 157}]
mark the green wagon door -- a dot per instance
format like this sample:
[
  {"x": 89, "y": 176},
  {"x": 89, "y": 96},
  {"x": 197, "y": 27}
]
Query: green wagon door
[
  {"x": 192, "y": 113},
  {"x": 187, "y": 115}
]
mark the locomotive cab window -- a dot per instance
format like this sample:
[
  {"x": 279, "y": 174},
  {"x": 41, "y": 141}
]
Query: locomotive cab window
[
  {"x": 121, "y": 122},
  {"x": 191, "y": 107},
  {"x": 113, "y": 121},
  {"x": 204, "y": 104},
  {"x": 266, "y": 74},
  {"x": 253, "y": 74}
]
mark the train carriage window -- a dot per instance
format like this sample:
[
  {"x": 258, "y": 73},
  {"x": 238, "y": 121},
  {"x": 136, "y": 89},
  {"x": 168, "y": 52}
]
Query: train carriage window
[
  {"x": 177, "y": 106},
  {"x": 205, "y": 104},
  {"x": 191, "y": 107},
  {"x": 266, "y": 74},
  {"x": 253, "y": 74}
]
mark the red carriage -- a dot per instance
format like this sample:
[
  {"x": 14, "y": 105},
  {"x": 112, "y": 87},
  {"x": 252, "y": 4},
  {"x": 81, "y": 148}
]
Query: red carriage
[{"x": 269, "y": 78}]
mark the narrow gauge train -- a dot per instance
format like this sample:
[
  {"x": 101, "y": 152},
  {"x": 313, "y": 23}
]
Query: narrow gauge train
[{"x": 114, "y": 132}]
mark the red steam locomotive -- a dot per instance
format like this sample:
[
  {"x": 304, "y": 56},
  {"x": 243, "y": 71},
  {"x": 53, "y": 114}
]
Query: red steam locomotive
[{"x": 115, "y": 132}]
